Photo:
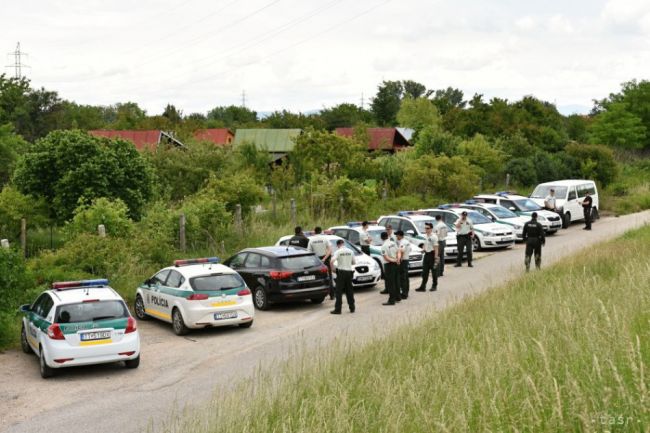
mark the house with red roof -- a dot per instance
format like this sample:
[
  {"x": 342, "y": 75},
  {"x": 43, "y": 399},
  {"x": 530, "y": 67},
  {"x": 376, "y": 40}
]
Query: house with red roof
[
  {"x": 218, "y": 136},
  {"x": 386, "y": 139},
  {"x": 143, "y": 140}
]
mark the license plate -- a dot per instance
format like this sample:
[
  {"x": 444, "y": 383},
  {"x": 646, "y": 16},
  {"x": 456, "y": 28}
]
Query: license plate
[
  {"x": 307, "y": 278},
  {"x": 505, "y": 239},
  {"x": 413, "y": 265},
  {"x": 225, "y": 315},
  {"x": 365, "y": 278},
  {"x": 100, "y": 335},
  {"x": 223, "y": 303}
]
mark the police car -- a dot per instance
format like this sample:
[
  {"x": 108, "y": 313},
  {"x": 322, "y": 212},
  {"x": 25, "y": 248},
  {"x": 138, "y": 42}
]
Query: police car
[
  {"x": 79, "y": 323},
  {"x": 196, "y": 293},
  {"x": 523, "y": 206},
  {"x": 500, "y": 215},
  {"x": 367, "y": 272},
  {"x": 352, "y": 230},
  {"x": 488, "y": 234},
  {"x": 412, "y": 224}
]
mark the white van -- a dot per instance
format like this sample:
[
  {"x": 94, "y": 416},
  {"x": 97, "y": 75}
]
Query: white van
[{"x": 569, "y": 195}]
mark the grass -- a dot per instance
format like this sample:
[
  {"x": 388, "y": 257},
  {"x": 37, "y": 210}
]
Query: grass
[{"x": 563, "y": 350}]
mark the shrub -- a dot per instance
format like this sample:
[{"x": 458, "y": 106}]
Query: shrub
[
  {"x": 16, "y": 288},
  {"x": 596, "y": 161},
  {"x": 112, "y": 214}
]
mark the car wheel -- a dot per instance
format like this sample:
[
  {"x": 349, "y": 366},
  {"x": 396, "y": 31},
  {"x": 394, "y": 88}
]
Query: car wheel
[
  {"x": 566, "y": 220},
  {"x": 260, "y": 299},
  {"x": 132, "y": 363},
  {"x": 594, "y": 214},
  {"x": 139, "y": 308},
  {"x": 23, "y": 341},
  {"x": 46, "y": 370},
  {"x": 476, "y": 243},
  {"x": 178, "y": 324},
  {"x": 246, "y": 325},
  {"x": 318, "y": 300},
  {"x": 552, "y": 232}
]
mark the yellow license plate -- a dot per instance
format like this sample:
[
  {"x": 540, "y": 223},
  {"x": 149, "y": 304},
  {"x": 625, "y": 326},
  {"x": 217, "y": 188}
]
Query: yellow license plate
[{"x": 224, "y": 303}]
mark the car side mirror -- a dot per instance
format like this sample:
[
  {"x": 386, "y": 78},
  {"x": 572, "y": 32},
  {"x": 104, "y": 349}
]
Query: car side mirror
[
  {"x": 148, "y": 282},
  {"x": 493, "y": 218},
  {"x": 410, "y": 232},
  {"x": 25, "y": 308},
  {"x": 512, "y": 208}
]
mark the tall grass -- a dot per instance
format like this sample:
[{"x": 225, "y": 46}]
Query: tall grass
[{"x": 562, "y": 350}]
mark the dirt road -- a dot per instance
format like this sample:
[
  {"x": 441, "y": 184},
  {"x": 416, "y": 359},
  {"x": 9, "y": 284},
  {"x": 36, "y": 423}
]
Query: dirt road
[{"x": 177, "y": 371}]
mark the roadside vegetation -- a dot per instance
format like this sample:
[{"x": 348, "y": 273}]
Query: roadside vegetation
[
  {"x": 65, "y": 183},
  {"x": 542, "y": 354}
]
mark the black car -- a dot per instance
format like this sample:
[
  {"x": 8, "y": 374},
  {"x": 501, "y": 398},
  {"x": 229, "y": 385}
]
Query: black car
[{"x": 277, "y": 274}]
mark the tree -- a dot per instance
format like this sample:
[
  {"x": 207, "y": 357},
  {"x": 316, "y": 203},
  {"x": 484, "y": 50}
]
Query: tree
[
  {"x": 173, "y": 114},
  {"x": 11, "y": 145},
  {"x": 447, "y": 99},
  {"x": 128, "y": 115},
  {"x": 636, "y": 95},
  {"x": 344, "y": 115},
  {"x": 595, "y": 162},
  {"x": 113, "y": 214},
  {"x": 415, "y": 90},
  {"x": 418, "y": 114},
  {"x": 480, "y": 153},
  {"x": 576, "y": 127},
  {"x": 441, "y": 176},
  {"x": 435, "y": 141},
  {"x": 69, "y": 168},
  {"x": 287, "y": 119},
  {"x": 618, "y": 127},
  {"x": 386, "y": 103},
  {"x": 233, "y": 116}
]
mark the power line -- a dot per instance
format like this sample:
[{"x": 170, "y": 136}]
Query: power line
[
  {"x": 243, "y": 98},
  {"x": 18, "y": 62}
]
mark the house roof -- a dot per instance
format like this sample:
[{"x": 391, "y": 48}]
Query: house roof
[
  {"x": 270, "y": 140},
  {"x": 380, "y": 138},
  {"x": 145, "y": 139},
  {"x": 219, "y": 136}
]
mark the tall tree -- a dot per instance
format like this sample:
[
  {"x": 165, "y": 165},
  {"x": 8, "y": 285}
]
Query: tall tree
[
  {"x": 344, "y": 115},
  {"x": 386, "y": 103},
  {"x": 233, "y": 116},
  {"x": 618, "y": 127},
  {"x": 448, "y": 99},
  {"x": 414, "y": 90}
]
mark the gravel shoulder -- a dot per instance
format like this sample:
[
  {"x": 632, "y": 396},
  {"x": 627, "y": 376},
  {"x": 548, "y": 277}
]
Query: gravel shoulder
[{"x": 176, "y": 372}]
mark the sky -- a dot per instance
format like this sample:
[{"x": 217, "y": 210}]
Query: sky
[{"x": 309, "y": 54}]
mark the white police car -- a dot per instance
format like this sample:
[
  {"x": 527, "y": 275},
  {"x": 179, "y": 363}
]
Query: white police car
[
  {"x": 351, "y": 231},
  {"x": 412, "y": 224},
  {"x": 367, "y": 272},
  {"x": 79, "y": 323},
  {"x": 488, "y": 234},
  {"x": 524, "y": 206},
  {"x": 196, "y": 293},
  {"x": 500, "y": 215}
]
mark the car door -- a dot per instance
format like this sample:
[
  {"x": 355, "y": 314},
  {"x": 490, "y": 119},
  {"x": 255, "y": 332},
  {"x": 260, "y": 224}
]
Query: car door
[
  {"x": 237, "y": 263},
  {"x": 353, "y": 237},
  {"x": 36, "y": 320},
  {"x": 151, "y": 293},
  {"x": 170, "y": 291},
  {"x": 252, "y": 266},
  {"x": 572, "y": 204}
]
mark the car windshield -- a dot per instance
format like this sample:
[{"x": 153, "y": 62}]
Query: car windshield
[
  {"x": 502, "y": 213},
  {"x": 420, "y": 224},
  {"x": 376, "y": 237},
  {"x": 206, "y": 283},
  {"x": 91, "y": 311},
  {"x": 353, "y": 248},
  {"x": 477, "y": 218},
  {"x": 299, "y": 262},
  {"x": 543, "y": 191},
  {"x": 527, "y": 205}
]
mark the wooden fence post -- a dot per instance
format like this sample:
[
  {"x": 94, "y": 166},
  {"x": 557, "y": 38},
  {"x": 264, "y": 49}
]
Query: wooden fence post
[
  {"x": 181, "y": 223},
  {"x": 101, "y": 230},
  {"x": 238, "y": 219},
  {"x": 23, "y": 236},
  {"x": 293, "y": 212}
]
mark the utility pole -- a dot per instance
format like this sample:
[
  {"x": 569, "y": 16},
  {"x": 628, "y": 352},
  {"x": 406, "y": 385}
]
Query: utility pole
[
  {"x": 362, "y": 100},
  {"x": 243, "y": 98},
  {"x": 18, "y": 64}
]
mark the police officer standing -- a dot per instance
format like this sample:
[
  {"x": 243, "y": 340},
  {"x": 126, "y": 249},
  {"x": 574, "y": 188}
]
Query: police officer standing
[
  {"x": 365, "y": 240},
  {"x": 587, "y": 203},
  {"x": 390, "y": 253},
  {"x": 441, "y": 230},
  {"x": 341, "y": 263},
  {"x": 464, "y": 235},
  {"x": 320, "y": 246},
  {"x": 299, "y": 239},
  {"x": 430, "y": 248},
  {"x": 550, "y": 201},
  {"x": 534, "y": 238},
  {"x": 391, "y": 235},
  {"x": 404, "y": 247}
]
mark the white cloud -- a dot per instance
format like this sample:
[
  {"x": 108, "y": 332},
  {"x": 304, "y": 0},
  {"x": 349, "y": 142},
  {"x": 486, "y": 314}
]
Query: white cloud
[
  {"x": 560, "y": 24},
  {"x": 526, "y": 23}
]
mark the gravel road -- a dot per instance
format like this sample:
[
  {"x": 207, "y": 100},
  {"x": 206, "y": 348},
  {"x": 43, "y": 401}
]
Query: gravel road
[{"x": 180, "y": 371}]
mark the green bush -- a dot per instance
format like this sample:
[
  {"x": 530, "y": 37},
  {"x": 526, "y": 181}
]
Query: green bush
[
  {"x": 17, "y": 287},
  {"x": 596, "y": 161},
  {"x": 112, "y": 214}
]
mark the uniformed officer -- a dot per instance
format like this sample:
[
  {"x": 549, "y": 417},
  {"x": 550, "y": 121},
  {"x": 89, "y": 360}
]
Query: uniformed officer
[
  {"x": 550, "y": 201},
  {"x": 299, "y": 239},
  {"x": 341, "y": 263},
  {"x": 430, "y": 249},
  {"x": 390, "y": 253},
  {"x": 464, "y": 235},
  {"x": 587, "y": 203},
  {"x": 320, "y": 246},
  {"x": 404, "y": 247},
  {"x": 534, "y": 238},
  {"x": 365, "y": 240},
  {"x": 441, "y": 230},
  {"x": 391, "y": 235}
]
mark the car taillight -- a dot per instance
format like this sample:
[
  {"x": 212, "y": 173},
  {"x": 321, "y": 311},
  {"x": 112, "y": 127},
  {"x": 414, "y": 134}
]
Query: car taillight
[
  {"x": 54, "y": 332},
  {"x": 131, "y": 325},
  {"x": 280, "y": 275},
  {"x": 244, "y": 292},
  {"x": 197, "y": 297},
  {"x": 323, "y": 269}
]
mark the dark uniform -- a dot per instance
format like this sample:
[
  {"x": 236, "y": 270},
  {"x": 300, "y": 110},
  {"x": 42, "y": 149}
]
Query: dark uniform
[
  {"x": 403, "y": 267},
  {"x": 534, "y": 238},
  {"x": 586, "y": 208},
  {"x": 299, "y": 241}
]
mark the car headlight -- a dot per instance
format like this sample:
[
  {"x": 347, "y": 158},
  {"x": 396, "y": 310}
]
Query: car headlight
[
  {"x": 517, "y": 227},
  {"x": 541, "y": 218},
  {"x": 375, "y": 266}
]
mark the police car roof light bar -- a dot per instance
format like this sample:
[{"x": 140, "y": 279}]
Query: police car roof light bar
[
  {"x": 187, "y": 262},
  {"x": 444, "y": 206},
  {"x": 471, "y": 201},
  {"x": 64, "y": 285},
  {"x": 406, "y": 213},
  {"x": 353, "y": 223}
]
